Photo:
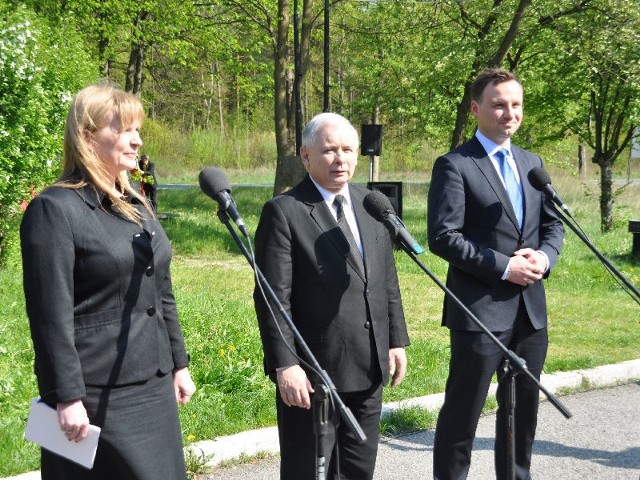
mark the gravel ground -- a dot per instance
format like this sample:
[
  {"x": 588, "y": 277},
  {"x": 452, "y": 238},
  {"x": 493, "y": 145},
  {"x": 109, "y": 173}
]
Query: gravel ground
[{"x": 601, "y": 441}]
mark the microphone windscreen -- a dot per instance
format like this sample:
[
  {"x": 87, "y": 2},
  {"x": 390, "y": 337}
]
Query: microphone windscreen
[
  {"x": 212, "y": 181},
  {"x": 538, "y": 178},
  {"x": 377, "y": 204}
]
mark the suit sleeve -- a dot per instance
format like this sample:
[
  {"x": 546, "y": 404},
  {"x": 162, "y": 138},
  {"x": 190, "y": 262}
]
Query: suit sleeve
[
  {"x": 551, "y": 232},
  {"x": 446, "y": 220},
  {"x": 398, "y": 336},
  {"x": 171, "y": 319},
  {"x": 274, "y": 258},
  {"x": 48, "y": 256}
]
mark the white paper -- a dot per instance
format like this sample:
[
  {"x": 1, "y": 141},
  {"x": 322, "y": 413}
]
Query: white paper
[{"x": 43, "y": 428}]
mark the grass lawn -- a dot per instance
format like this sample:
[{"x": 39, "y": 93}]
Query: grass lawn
[{"x": 592, "y": 321}]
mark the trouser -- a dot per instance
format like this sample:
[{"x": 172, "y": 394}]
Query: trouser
[
  {"x": 474, "y": 360},
  {"x": 298, "y": 443}
]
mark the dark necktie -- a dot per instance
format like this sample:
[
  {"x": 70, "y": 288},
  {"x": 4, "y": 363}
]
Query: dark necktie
[
  {"x": 510, "y": 183},
  {"x": 344, "y": 226}
]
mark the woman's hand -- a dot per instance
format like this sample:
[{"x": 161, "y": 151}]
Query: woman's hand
[
  {"x": 183, "y": 385},
  {"x": 73, "y": 420}
]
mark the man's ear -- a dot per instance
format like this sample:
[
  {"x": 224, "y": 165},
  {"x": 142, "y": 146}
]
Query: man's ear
[
  {"x": 304, "y": 156},
  {"x": 474, "y": 108}
]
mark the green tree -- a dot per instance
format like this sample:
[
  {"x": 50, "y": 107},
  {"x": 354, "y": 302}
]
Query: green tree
[
  {"x": 40, "y": 69},
  {"x": 274, "y": 21},
  {"x": 396, "y": 58},
  {"x": 611, "y": 62},
  {"x": 589, "y": 83}
]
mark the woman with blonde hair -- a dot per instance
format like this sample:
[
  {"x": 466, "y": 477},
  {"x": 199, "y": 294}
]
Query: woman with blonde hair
[{"x": 108, "y": 345}]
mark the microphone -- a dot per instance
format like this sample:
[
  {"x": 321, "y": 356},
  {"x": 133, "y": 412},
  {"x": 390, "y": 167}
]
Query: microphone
[
  {"x": 540, "y": 180},
  {"x": 379, "y": 207},
  {"x": 214, "y": 183}
]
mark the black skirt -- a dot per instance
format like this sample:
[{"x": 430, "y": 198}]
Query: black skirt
[{"x": 140, "y": 438}]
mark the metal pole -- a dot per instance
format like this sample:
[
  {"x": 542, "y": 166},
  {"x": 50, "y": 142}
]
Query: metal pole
[
  {"x": 297, "y": 74},
  {"x": 326, "y": 56}
]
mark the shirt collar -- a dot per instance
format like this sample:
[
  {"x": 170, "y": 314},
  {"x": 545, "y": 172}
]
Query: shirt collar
[
  {"x": 328, "y": 196},
  {"x": 490, "y": 146}
]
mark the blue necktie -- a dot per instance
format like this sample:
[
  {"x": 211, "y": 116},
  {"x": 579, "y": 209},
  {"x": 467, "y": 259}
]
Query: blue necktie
[{"x": 511, "y": 184}]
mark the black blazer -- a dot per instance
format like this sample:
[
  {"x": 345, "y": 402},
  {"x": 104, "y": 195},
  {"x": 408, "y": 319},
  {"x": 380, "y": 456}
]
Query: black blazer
[
  {"x": 98, "y": 294},
  {"x": 305, "y": 257},
  {"x": 472, "y": 225}
]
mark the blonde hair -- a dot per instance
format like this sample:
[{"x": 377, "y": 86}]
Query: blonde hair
[{"x": 89, "y": 112}]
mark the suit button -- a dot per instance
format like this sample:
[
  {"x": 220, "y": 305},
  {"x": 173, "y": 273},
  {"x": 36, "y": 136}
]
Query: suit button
[
  {"x": 151, "y": 311},
  {"x": 149, "y": 271},
  {"x": 367, "y": 324}
]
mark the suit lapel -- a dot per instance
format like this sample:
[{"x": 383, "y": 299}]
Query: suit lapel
[
  {"x": 365, "y": 228},
  {"x": 319, "y": 212},
  {"x": 485, "y": 165},
  {"x": 525, "y": 164}
]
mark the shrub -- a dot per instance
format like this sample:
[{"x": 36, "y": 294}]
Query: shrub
[{"x": 40, "y": 69}]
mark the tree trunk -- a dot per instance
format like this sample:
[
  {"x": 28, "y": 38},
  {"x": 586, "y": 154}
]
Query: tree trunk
[
  {"x": 606, "y": 196},
  {"x": 207, "y": 87},
  {"x": 289, "y": 168},
  {"x": 105, "y": 69},
  {"x": 285, "y": 149},
  {"x": 510, "y": 35},
  {"x": 137, "y": 76},
  {"x": 216, "y": 69},
  {"x": 133, "y": 82},
  {"x": 462, "y": 117},
  {"x": 464, "y": 106},
  {"x": 582, "y": 161},
  {"x": 305, "y": 38},
  {"x": 291, "y": 108},
  {"x": 128, "y": 85},
  {"x": 290, "y": 171}
]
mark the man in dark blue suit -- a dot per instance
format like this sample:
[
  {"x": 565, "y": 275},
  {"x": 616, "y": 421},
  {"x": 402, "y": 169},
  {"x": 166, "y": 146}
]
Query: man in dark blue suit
[
  {"x": 501, "y": 240},
  {"x": 331, "y": 266}
]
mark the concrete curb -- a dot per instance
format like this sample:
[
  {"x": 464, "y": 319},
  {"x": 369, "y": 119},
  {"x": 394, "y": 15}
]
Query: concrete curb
[{"x": 265, "y": 440}]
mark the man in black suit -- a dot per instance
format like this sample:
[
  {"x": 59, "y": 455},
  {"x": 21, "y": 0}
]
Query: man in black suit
[
  {"x": 339, "y": 286},
  {"x": 501, "y": 239}
]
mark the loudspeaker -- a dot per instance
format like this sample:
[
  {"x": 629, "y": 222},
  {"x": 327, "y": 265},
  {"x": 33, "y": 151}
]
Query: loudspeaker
[
  {"x": 393, "y": 191},
  {"x": 371, "y": 141}
]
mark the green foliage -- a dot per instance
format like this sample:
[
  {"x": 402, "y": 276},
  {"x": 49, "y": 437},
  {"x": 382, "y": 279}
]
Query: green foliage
[
  {"x": 40, "y": 69},
  {"x": 207, "y": 73},
  {"x": 407, "y": 419},
  {"x": 196, "y": 461},
  {"x": 401, "y": 65},
  {"x": 212, "y": 67},
  {"x": 17, "y": 385},
  {"x": 175, "y": 152}
]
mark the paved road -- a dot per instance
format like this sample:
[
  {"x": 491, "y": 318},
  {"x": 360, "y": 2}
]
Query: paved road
[{"x": 600, "y": 442}]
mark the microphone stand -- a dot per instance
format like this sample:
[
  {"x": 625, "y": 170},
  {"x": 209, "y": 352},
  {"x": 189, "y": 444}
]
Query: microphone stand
[
  {"x": 600, "y": 256},
  {"x": 321, "y": 422},
  {"x": 326, "y": 390},
  {"x": 512, "y": 367}
]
